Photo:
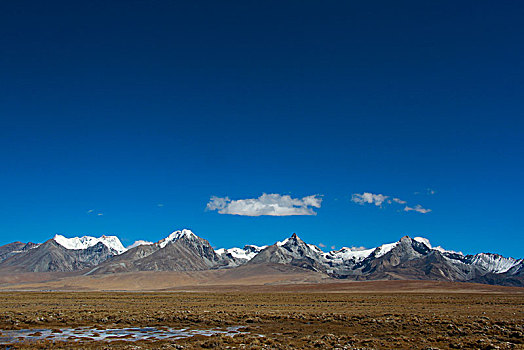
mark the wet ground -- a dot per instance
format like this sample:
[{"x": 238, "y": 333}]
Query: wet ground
[
  {"x": 195, "y": 320},
  {"x": 108, "y": 334}
]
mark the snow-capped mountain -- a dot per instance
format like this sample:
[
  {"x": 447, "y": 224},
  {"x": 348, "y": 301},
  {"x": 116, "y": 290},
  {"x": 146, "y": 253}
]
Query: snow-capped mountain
[
  {"x": 112, "y": 242},
  {"x": 409, "y": 258},
  {"x": 64, "y": 254},
  {"x": 493, "y": 262},
  {"x": 182, "y": 250},
  {"x": 292, "y": 251}
]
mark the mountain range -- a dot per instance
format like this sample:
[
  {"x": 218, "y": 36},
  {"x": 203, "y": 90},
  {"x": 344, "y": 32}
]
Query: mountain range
[{"x": 408, "y": 258}]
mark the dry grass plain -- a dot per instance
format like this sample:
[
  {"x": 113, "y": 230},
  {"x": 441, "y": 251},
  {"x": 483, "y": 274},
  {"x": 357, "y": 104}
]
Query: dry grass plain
[{"x": 366, "y": 315}]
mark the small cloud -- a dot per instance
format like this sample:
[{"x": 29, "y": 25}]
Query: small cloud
[
  {"x": 418, "y": 208},
  {"x": 322, "y": 245},
  {"x": 138, "y": 243},
  {"x": 399, "y": 201},
  {"x": 379, "y": 199},
  {"x": 332, "y": 247},
  {"x": 368, "y": 198},
  {"x": 267, "y": 204},
  {"x": 427, "y": 191},
  {"x": 92, "y": 212},
  {"x": 358, "y": 249},
  {"x": 160, "y": 205}
]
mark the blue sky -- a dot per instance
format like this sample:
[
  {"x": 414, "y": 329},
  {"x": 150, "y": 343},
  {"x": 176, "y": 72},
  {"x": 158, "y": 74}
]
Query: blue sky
[{"x": 144, "y": 111}]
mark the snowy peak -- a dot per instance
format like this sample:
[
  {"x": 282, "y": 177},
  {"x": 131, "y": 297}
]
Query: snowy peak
[
  {"x": 419, "y": 247},
  {"x": 112, "y": 242},
  {"x": 298, "y": 248},
  {"x": 294, "y": 240},
  {"x": 254, "y": 248},
  {"x": 426, "y": 242},
  {"x": 247, "y": 253},
  {"x": 354, "y": 255},
  {"x": 175, "y": 236},
  {"x": 292, "y": 251},
  {"x": 494, "y": 263}
]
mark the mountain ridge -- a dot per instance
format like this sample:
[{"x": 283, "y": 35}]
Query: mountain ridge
[{"x": 182, "y": 250}]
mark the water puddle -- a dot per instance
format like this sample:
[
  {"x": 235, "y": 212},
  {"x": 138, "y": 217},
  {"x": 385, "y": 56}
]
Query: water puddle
[{"x": 110, "y": 334}]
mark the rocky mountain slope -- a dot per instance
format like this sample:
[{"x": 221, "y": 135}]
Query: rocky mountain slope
[
  {"x": 51, "y": 256},
  {"x": 292, "y": 251},
  {"x": 14, "y": 248},
  {"x": 180, "y": 251}
]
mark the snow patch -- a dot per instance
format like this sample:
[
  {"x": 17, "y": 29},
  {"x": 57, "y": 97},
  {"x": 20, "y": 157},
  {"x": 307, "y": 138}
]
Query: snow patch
[
  {"x": 384, "y": 249},
  {"x": 348, "y": 254},
  {"x": 315, "y": 248},
  {"x": 439, "y": 248},
  {"x": 280, "y": 244},
  {"x": 246, "y": 253}
]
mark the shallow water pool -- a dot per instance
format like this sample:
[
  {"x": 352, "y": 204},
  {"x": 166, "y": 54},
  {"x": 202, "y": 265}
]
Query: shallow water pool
[{"x": 110, "y": 334}]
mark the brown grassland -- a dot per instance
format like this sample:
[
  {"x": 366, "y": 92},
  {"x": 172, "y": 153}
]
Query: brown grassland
[{"x": 365, "y": 315}]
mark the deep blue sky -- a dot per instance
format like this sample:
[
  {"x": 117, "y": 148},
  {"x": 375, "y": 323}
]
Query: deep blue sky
[{"x": 119, "y": 106}]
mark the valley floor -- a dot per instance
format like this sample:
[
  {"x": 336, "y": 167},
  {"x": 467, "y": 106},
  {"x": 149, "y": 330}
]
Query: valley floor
[{"x": 358, "y": 315}]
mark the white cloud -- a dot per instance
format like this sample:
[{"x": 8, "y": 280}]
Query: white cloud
[
  {"x": 369, "y": 198},
  {"x": 380, "y": 199},
  {"x": 272, "y": 204},
  {"x": 138, "y": 243},
  {"x": 418, "y": 208},
  {"x": 399, "y": 201},
  {"x": 427, "y": 191},
  {"x": 358, "y": 249},
  {"x": 322, "y": 245}
]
